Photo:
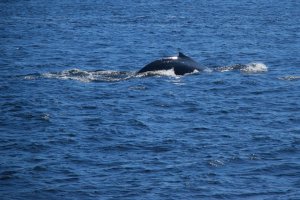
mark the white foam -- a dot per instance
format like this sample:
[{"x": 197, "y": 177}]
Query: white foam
[
  {"x": 207, "y": 70},
  {"x": 89, "y": 76},
  {"x": 226, "y": 68},
  {"x": 194, "y": 72},
  {"x": 30, "y": 77},
  {"x": 73, "y": 74},
  {"x": 169, "y": 72},
  {"x": 255, "y": 67}
]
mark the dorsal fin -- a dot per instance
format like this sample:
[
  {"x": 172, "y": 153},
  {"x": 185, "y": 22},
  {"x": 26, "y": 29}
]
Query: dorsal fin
[{"x": 181, "y": 55}]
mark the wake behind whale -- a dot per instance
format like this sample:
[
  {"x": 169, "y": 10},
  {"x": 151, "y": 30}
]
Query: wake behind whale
[{"x": 175, "y": 66}]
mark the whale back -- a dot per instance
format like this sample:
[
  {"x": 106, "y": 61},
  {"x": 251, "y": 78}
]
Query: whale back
[{"x": 181, "y": 64}]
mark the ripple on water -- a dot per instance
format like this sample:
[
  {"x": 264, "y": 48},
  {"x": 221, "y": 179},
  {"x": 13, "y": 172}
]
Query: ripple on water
[
  {"x": 290, "y": 78},
  {"x": 7, "y": 175}
]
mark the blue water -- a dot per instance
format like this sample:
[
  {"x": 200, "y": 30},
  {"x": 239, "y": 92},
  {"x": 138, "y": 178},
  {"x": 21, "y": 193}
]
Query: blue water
[{"x": 77, "y": 122}]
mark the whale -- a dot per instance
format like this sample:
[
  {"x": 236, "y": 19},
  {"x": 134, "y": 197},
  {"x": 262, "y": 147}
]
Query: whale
[{"x": 181, "y": 64}]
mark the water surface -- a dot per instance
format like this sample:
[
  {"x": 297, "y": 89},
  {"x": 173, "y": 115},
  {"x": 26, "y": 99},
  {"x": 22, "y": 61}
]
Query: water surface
[{"x": 77, "y": 122}]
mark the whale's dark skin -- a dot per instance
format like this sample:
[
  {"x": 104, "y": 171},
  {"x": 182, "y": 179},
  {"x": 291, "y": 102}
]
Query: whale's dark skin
[{"x": 182, "y": 64}]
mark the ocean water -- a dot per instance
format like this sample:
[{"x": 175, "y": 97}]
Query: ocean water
[{"x": 77, "y": 122}]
